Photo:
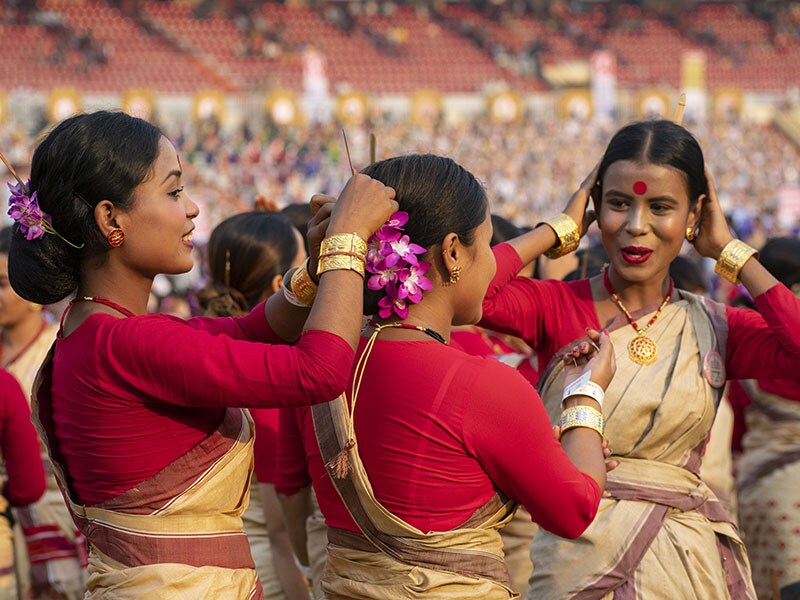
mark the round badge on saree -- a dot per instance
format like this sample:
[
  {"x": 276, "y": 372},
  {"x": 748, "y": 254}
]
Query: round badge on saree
[{"x": 714, "y": 369}]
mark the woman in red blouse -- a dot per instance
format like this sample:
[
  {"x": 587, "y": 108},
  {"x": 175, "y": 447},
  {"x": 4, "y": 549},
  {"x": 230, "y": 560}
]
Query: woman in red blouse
[
  {"x": 24, "y": 473},
  {"x": 443, "y": 444},
  {"x": 135, "y": 408},
  {"x": 661, "y": 532}
]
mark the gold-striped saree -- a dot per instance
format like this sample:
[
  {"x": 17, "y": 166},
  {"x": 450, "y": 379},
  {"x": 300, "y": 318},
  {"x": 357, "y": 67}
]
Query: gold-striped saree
[
  {"x": 662, "y": 533},
  {"x": 176, "y": 535},
  {"x": 769, "y": 488},
  {"x": 393, "y": 559}
]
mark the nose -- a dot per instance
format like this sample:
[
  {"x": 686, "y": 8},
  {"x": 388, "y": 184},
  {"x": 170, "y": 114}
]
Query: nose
[
  {"x": 636, "y": 223},
  {"x": 192, "y": 210}
]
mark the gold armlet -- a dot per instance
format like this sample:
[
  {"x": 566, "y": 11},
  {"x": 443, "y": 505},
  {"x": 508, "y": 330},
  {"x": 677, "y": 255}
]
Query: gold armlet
[
  {"x": 731, "y": 260},
  {"x": 333, "y": 261},
  {"x": 344, "y": 242},
  {"x": 302, "y": 286},
  {"x": 582, "y": 416},
  {"x": 568, "y": 234}
]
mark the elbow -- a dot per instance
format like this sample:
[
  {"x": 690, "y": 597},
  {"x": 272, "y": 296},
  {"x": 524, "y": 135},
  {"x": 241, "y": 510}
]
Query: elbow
[
  {"x": 572, "y": 524},
  {"x": 27, "y": 496}
]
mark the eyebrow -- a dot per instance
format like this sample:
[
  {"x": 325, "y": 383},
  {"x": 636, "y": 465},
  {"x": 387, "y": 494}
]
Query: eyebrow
[
  {"x": 629, "y": 197},
  {"x": 175, "y": 173}
]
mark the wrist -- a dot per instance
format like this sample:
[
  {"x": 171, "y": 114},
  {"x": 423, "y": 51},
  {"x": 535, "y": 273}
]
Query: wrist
[
  {"x": 732, "y": 259},
  {"x": 580, "y": 400}
]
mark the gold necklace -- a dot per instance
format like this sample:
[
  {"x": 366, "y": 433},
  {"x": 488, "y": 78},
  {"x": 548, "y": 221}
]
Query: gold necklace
[{"x": 641, "y": 349}]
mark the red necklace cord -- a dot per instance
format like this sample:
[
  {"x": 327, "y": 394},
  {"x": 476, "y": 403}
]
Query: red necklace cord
[{"x": 618, "y": 302}]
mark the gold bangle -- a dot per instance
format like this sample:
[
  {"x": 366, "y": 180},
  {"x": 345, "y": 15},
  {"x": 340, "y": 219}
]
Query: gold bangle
[
  {"x": 567, "y": 232},
  {"x": 302, "y": 286},
  {"x": 582, "y": 416},
  {"x": 344, "y": 242},
  {"x": 334, "y": 262},
  {"x": 732, "y": 259}
]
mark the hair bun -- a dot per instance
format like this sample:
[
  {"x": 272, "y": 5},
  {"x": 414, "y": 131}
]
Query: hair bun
[{"x": 220, "y": 301}]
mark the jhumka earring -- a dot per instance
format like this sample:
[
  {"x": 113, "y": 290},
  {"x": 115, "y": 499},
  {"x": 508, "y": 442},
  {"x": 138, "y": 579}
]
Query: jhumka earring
[{"x": 455, "y": 275}]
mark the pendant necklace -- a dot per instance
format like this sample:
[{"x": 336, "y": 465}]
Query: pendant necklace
[{"x": 641, "y": 349}]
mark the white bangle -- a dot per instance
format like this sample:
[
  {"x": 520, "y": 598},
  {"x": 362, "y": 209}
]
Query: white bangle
[
  {"x": 287, "y": 290},
  {"x": 584, "y": 386}
]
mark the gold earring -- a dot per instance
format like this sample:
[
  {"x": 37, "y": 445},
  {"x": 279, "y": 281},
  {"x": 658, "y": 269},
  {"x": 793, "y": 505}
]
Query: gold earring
[
  {"x": 690, "y": 233},
  {"x": 455, "y": 275}
]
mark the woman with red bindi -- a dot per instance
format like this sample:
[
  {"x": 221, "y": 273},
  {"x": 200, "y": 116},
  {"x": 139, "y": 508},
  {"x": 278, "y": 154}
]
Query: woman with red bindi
[{"x": 661, "y": 532}]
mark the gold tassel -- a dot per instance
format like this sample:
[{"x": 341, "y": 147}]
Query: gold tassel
[{"x": 340, "y": 464}]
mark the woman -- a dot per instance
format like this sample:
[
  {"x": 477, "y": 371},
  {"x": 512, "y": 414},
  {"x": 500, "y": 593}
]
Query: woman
[
  {"x": 136, "y": 409},
  {"x": 430, "y": 467},
  {"x": 662, "y": 533},
  {"x": 769, "y": 468},
  {"x": 49, "y": 551},
  {"x": 248, "y": 254},
  {"x": 24, "y": 474}
]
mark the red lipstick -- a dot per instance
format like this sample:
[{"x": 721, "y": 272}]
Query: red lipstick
[{"x": 636, "y": 255}]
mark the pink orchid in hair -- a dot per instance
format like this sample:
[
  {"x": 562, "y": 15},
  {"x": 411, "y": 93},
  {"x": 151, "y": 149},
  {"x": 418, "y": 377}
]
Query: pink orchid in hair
[
  {"x": 413, "y": 281},
  {"x": 33, "y": 222},
  {"x": 392, "y": 260}
]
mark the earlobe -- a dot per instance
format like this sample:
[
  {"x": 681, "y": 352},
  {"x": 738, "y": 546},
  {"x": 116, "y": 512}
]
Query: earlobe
[{"x": 277, "y": 283}]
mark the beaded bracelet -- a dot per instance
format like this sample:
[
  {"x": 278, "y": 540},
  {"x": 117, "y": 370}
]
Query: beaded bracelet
[
  {"x": 567, "y": 232},
  {"x": 302, "y": 286},
  {"x": 731, "y": 260},
  {"x": 582, "y": 416}
]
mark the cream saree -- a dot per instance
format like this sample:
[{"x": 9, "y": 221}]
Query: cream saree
[
  {"x": 396, "y": 560},
  {"x": 8, "y": 582},
  {"x": 662, "y": 533},
  {"x": 769, "y": 480},
  {"x": 176, "y": 535}
]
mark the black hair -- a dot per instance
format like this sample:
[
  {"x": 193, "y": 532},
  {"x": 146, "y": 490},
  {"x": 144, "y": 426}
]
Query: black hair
[
  {"x": 440, "y": 197},
  {"x": 5, "y": 239},
  {"x": 781, "y": 257},
  {"x": 503, "y": 230},
  {"x": 687, "y": 275},
  {"x": 591, "y": 261},
  {"x": 261, "y": 244},
  {"x": 85, "y": 159},
  {"x": 662, "y": 143},
  {"x": 299, "y": 215}
]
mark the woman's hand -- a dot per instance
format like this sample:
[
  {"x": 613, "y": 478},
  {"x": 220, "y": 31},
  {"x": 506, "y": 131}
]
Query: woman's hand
[
  {"x": 321, "y": 209},
  {"x": 595, "y": 356},
  {"x": 363, "y": 206},
  {"x": 579, "y": 202},
  {"x": 713, "y": 233}
]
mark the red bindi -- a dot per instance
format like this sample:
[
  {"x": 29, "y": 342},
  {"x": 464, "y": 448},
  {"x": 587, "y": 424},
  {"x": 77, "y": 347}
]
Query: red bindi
[{"x": 639, "y": 188}]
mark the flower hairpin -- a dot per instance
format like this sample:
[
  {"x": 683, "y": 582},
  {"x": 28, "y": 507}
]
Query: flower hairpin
[
  {"x": 392, "y": 260},
  {"x": 32, "y": 221}
]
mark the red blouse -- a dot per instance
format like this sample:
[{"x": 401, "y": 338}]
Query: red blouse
[
  {"x": 439, "y": 432},
  {"x": 131, "y": 395},
  {"x": 266, "y": 445},
  {"x": 549, "y": 314},
  {"x": 19, "y": 446}
]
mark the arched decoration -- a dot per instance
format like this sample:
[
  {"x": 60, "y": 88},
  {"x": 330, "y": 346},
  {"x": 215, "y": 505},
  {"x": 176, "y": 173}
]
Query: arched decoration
[
  {"x": 63, "y": 103},
  {"x": 209, "y": 104},
  {"x": 351, "y": 108},
  {"x": 505, "y": 107},
  {"x": 139, "y": 103},
  {"x": 283, "y": 108},
  {"x": 576, "y": 102}
]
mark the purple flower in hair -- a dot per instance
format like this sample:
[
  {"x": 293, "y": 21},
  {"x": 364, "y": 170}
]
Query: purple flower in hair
[
  {"x": 32, "y": 221},
  {"x": 392, "y": 260},
  {"x": 413, "y": 281}
]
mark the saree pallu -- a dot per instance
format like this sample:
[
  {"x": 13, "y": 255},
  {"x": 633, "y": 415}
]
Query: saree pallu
[
  {"x": 177, "y": 534},
  {"x": 662, "y": 533},
  {"x": 517, "y": 537},
  {"x": 393, "y": 559},
  {"x": 769, "y": 497},
  {"x": 316, "y": 545}
]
